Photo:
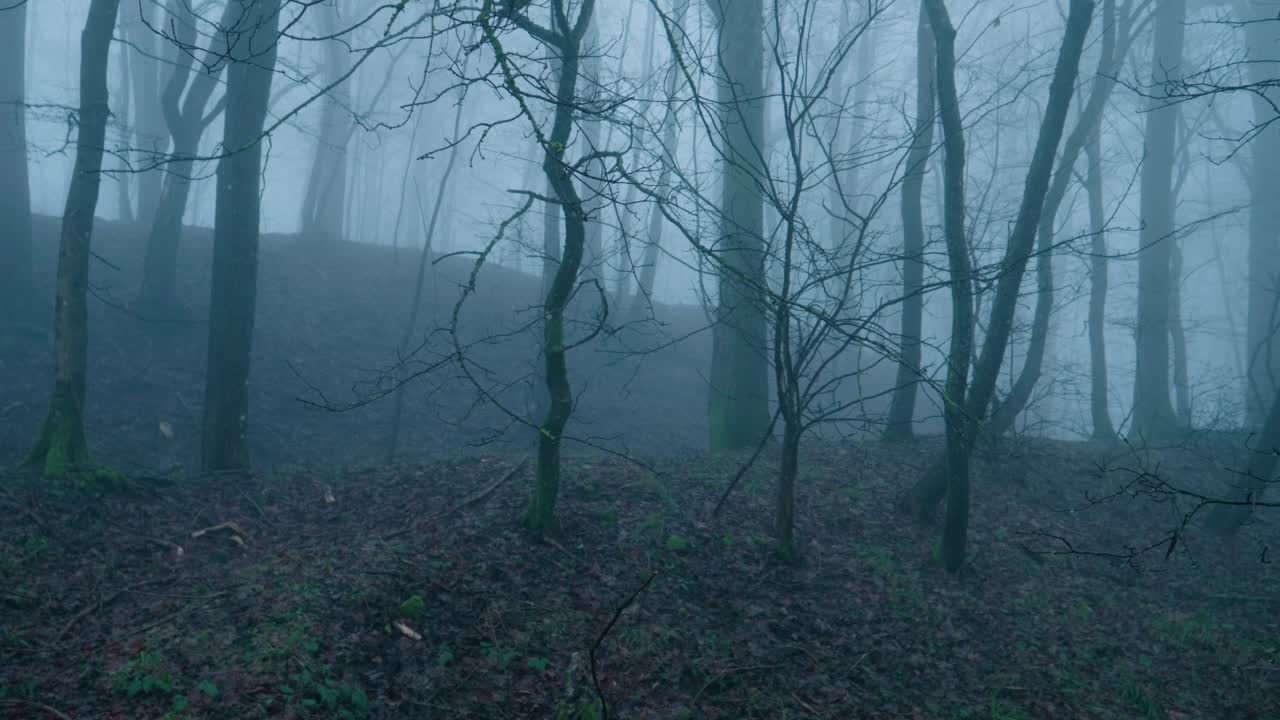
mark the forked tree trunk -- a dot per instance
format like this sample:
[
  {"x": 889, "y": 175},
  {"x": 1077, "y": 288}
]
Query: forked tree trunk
[
  {"x": 233, "y": 300},
  {"x": 1153, "y": 415},
  {"x": 902, "y": 408},
  {"x": 540, "y": 517},
  {"x": 1099, "y": 397},
  {"x": 61, "y": 447},
  {"x": 16, "y": 286},
  {"x": 955, "y": 531},
  {"x": 933, "y": 487},
  {"x": 1113, "y": 50},
  {"x": 186, "y": 120}
]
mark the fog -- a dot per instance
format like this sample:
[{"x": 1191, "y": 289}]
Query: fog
[{"x": 928, "y": 300}]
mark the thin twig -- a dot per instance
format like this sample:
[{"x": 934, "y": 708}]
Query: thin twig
[
  {"x": 595, "y": 679},
  {"x": 473, "y": 500},
  {"x": 47, "y": 709}
]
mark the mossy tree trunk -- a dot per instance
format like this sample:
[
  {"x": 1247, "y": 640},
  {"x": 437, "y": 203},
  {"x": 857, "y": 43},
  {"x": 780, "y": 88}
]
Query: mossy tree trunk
[
  {"x": 564, "y": 37},
  {"x": 61, "y": 446},
  {"x": 233, "y": 299}
]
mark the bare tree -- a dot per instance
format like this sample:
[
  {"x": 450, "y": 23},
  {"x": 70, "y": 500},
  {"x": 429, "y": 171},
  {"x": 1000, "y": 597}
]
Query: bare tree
[
  {"x": 16, "y": 291},
  {"x": 899, "y": 424},
  {"x": 251, "y": 56},
  {"x": 1153, "y": 414},
  {"x": 61, "y": 447}
]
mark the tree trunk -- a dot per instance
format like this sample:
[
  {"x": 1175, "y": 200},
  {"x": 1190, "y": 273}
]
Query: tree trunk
[
  {"x": 927, "y": 493},
  {"x": 150, "y": 133},
  {"x": 61, "y": 447},
  {"x": 540, "y": 518},
  {"x": 322, "y": 207},
  {"x": 1153, "y": 415},
  {"x": 1003, "y": 417},
  {"x": 1099, "y": 400},
  {"x": 233, "y": 298},
  {"x": 1263, "y": 324},
  {"x": 1259, "y": 475},
  {"x": 669, "y": 133},
  {"x": 1178, "y": 339},
  {"x": 739, "y": 392},
  {"x": 424, "y": 260},
  {"x": 16, "y": 285},
  {"x": 955, "y": 531},
  {"x": 902, "y": 408},
  {"x": 785, "y": 503},
  {"x": 186, "y": 120}
]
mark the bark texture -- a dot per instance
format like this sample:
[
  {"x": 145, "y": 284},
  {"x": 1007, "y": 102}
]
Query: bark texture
[
  {"x": 233, "y": 299},
  {"x": 739, "y": 392},
  {"x": 61, "y": 448},
  {"x": 1153, "y": 415}
]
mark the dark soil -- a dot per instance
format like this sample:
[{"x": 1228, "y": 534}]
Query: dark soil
[{"x": 407, "y": 592}]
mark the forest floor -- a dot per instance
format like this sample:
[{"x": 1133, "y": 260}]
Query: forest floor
[{"x": 408, "y": 592}]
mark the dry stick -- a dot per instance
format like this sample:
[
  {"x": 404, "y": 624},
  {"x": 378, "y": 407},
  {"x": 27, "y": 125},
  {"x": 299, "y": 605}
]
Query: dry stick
[
  {"x": 474, "y": 499},
  {"x": 47, "y": 709},
  {"x": 595, "y": 679}
]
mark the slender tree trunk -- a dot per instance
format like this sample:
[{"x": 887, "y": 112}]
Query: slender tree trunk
[
  {"x": 150, "y": 133},
  {"x": 1099, "y": 399},
  {"x": 670, "y": 133},
  {"x": 186, "y": 120},
  {"x": 1178, "y": 339},
  {"x": 739, "y": 392},
  {"x": 1153, "y": 415},
  {"x": 124, "y": 197},
  {"x": 61, "y": 447},
  {"x": 785, "y": 503},
  {"x": 322, "y": 207},
  {"x": 1113, "y": 50},
  {"x": 902, "y": 408},
  {"x": 17, "y": 296},
  {"x": 540, "y": 517},
  {"x": 955, "y": 531},
  {"x": 424, "y": 260},
  {"x": 233, "y": 299},
  {"x": 931, "y": 489}
]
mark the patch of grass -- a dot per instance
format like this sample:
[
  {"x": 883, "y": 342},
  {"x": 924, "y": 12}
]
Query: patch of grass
[
  {"x": 146, "y": 674},
  {"x": 677, "y": 543},
  {"x": 1182, "y": 628},
  {"x": 1137, "y": 697},
  {"x": 285, "y": 642}
]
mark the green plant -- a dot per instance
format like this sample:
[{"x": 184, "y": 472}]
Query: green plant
[
  {"x": 499, "y": 655},
  {"x": 540, "y": 664},
  {"x": 445, "y": 655},
  {"x": 676, "y": 543},
  {"x": 413, "y": 608},
  {"x": 146, "y": 674}
]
